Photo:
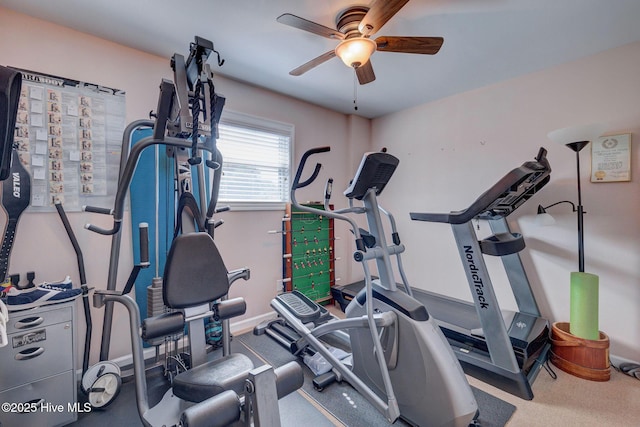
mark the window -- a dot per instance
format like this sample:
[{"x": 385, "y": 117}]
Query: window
[{"x": 256, "y": 162}]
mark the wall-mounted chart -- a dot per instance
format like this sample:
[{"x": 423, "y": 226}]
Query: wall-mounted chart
[{"x": 69, "y": 136}]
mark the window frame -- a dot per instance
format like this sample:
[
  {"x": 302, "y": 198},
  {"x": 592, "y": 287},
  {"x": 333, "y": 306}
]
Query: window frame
[{"x": 248, "y": 121}]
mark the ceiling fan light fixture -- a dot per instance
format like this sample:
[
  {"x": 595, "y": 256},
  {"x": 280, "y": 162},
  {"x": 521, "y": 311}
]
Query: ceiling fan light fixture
[{"x": 356, "y": 51}]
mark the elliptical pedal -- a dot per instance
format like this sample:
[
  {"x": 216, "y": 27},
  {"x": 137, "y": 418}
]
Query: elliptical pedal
[{"x": 300, "y": 306}]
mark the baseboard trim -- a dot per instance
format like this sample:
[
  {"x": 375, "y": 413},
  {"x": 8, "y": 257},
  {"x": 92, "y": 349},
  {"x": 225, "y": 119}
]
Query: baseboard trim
[{"x": 246, "y": 325}]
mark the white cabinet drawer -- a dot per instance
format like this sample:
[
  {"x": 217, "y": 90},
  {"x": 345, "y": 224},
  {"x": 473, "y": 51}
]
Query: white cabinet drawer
[
  {"x": 21, "y": 321},
  {"x": 48, "y": 402},
  {"x": 36, "y": 353}
]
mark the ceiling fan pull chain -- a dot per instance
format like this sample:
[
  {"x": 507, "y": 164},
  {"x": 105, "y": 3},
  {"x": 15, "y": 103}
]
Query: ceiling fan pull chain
[{"x": 355, "y": 90}]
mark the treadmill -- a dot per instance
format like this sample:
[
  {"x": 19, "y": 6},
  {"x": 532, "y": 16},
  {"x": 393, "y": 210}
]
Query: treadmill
[{"x": 503, "y": 348}]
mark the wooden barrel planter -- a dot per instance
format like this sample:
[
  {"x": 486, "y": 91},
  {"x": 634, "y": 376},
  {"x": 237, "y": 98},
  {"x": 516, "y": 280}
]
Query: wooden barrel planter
[{"x": 583, "y": 358}]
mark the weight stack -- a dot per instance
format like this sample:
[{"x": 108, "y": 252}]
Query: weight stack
[
  {"x": 155, "y": 303},
  {"x": 155, "y": 307}
]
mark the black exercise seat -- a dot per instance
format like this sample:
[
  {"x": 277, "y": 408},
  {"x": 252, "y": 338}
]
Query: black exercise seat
[
  {"x": 195, "y": 275},
  {"x": 212, "y": 378}
]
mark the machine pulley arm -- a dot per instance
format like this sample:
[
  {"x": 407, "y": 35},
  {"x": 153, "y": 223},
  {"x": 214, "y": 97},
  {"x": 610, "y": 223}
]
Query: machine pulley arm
[{"x": 196, "y": 98}]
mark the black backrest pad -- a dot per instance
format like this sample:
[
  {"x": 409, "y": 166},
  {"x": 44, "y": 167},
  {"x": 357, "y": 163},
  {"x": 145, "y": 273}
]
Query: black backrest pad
[{"x": 194, "y": 273}]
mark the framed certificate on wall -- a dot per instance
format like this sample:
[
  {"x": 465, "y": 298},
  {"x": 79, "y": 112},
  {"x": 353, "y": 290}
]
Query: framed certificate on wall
[{"x": 611, "y": 158}]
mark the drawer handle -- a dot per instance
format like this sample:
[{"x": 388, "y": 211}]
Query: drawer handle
[
  {"x": 29, "y": 353},
  {"x": 33, "y": 404},
  {"x": 28, "y": 407},
  {"x": 29, "y": 322}
]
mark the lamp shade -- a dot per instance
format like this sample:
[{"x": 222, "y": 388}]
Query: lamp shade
[
  {"x": 579, "y": 133},
  {"x": 356, "y": 51},
  {"x": 544, "y": 219}
]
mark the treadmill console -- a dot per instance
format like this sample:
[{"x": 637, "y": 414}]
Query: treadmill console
[
  {"x": 521, "y": 184},
  {"x": 374, "y": 171},
  {"x": 502, "y": 198}
]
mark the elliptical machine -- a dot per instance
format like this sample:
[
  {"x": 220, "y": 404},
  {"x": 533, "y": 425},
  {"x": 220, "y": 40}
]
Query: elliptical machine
[{"x": 402, "y": 364}]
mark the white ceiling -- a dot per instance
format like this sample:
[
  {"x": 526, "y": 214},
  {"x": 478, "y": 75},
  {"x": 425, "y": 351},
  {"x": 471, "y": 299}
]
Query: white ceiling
[{"x": 486, "y": 41}]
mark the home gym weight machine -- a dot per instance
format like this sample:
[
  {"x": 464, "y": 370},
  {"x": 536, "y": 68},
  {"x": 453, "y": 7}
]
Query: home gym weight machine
[
  {"x": 173, "y": 129},
  {"x": 224, "y": 391},
  {"x": 402, "y": 363},
  {"x": 503, "y": 348},
  {"x": 173, "y": 126}
]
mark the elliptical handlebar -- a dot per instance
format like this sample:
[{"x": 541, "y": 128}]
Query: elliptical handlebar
[
  {"x": 328, "y": 189},
  {"x": 392, "y": 222},
  {"x": 328, "y": 213},
  {"x": 296, "y": 180}
]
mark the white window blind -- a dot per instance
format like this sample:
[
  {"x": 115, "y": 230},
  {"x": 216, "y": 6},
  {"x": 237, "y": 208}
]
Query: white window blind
[{"x": 256, "y": 161}]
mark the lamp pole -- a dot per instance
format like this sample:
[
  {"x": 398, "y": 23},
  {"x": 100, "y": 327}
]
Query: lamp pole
[{"x": 577, "y": 146}]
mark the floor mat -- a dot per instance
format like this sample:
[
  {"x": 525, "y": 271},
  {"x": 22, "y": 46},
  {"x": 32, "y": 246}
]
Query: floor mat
[
  {"x": 340, "y": 400},
  {"x": 348, "y": 406}
]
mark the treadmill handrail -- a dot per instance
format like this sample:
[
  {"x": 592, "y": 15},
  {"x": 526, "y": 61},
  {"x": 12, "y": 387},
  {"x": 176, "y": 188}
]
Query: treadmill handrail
[{"x": 511, "y": 180}]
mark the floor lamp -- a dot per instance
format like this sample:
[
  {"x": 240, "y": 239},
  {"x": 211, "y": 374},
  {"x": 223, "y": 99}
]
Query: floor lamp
[{"x": 584, "y": 286}]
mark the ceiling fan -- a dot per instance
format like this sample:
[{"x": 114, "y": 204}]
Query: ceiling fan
[{"x": 355, "y": 25}]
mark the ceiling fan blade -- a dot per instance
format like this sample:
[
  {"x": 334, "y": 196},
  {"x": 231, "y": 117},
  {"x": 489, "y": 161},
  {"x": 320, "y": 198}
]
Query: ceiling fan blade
[
  {"x": 312, "y": 27},
  {"x": 423, "y": 45},
  {"x": 379, "y": 13},
  {"x": 313, "y": 63},
  {"x": 365, "y": 73}
]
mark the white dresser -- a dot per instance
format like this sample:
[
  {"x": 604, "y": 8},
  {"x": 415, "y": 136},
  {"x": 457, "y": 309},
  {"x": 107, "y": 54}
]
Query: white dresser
[{"x": 37, "y": 368}]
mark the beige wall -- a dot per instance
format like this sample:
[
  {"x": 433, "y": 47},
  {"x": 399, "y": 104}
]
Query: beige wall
[
  {"x": 42, "y": 245},
  {"x": 452, "y": 150}
]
